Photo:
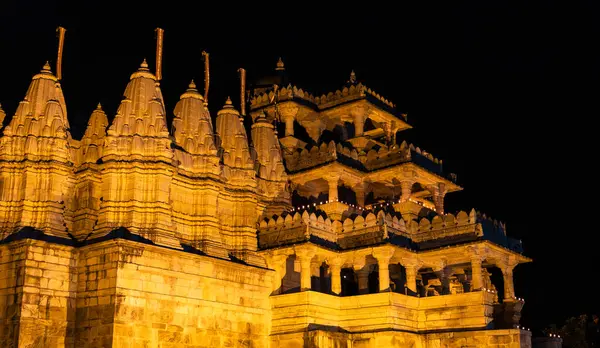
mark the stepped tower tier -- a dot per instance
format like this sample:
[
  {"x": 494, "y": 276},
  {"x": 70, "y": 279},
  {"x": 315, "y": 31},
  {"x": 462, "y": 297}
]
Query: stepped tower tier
[
  {"x": 238, "y": 164},
  {"x": 271, "y": 175},
  {"x": 36, "y": 159},
  {"x": 88, "y": 175},
  {"x": 194, "y": 136},
  {"x": 92, "y": 143},
  {"x": 137, "y": 165},
  {"x": 194, "y": 199},
  {"x": 237, "y": 202},
  {"x": 139, "y": 129}
]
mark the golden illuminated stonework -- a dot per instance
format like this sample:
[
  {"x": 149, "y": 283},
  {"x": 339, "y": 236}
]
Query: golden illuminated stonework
[{"x": 315, "y": 226}]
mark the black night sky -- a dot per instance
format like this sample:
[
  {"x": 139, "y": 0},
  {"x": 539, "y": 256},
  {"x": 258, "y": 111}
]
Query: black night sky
[{"x": 501, "y": 91}]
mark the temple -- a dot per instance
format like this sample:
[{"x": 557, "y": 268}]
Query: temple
[{"x": 293, "y": 221}]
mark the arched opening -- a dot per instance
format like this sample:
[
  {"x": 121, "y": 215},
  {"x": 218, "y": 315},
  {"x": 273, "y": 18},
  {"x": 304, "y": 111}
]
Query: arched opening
[
  {"x": 398, "y": 278},
  {"x": 291, "y": 280},
  {"x": 494, "y": 280},
  {"x": 373, "y": 281},
  {"x": 349, "y": 283},
  {"x": 323, "y": 283},
  {"x": 343, "y": 132},
  {"x": 310, "y": 193},
  {"x": 370, "y": 125},
  {"x": 346, "y": 194},
  {"x": 430, "y": 283}
]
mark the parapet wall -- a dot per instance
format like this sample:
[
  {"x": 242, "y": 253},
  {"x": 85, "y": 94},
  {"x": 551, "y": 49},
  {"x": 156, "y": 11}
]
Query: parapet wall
[
  {"x": 327, "y": 338},
  {"x": 381, "y": 311},
  {"x": 368, "y": 228}
]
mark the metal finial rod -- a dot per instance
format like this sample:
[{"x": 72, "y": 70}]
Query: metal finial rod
[
  {"x": 159, "y": 52},
  {"x": 206, "y": 75},
  {"x": 61, "y": 41},
  {"x": 242, "y": 91}
]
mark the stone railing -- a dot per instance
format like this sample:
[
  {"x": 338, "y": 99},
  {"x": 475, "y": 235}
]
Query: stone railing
[
  {"x": 366, "y": 229},
  {"x": 286, "y": 93},
  {"x": 387, "y": 310},
  {"x": 294, "y": 228},
  {"x": 371, "y": 160},
  {"x": 446, "y": 226},
  {"x": 317, "y": 155},
  {"x": 348, "y": 93}
]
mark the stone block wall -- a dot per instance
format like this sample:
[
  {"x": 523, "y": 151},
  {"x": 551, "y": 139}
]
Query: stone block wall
[
  {"x": 121, "y": 293},
  {"x": 37, "y": 294},
  {"x": 166, "y": 298}
]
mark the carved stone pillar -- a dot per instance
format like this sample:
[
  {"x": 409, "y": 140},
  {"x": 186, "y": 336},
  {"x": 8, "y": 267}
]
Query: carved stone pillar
[
  {"x": 411, "y": 276},
  {"x": 278, "y": 264},
  {"x": 509, "y": 287},
  {"x": 305, "y": 258},
  {"x": 363, "y": 281},
  {"x": 406, "y": 186},
  {"x": 383, "y": 256},
  {"x": 360, "y": 116},
  {"x": 335, "y": 267},
  {"x": 438, "y": 192},
  {"x": 333, "y": 182},
  {"x": 439, "y": 203},
  {"x": 288, "y": 113},
  {"x": 359, "y": 126},
  {"x": 359, "y": 190},
  {"x": 476, "y": 273},
  {"x": 289, "y": 126},
  {"x": 384, "y": 275}
]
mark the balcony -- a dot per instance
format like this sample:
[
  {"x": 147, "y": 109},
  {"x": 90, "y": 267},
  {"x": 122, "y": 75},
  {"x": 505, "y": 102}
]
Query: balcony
[{"x": 386, "y": 310}]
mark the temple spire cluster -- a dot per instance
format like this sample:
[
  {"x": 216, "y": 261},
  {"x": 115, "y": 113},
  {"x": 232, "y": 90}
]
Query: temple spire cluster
[{"x": 251, "y": 226}]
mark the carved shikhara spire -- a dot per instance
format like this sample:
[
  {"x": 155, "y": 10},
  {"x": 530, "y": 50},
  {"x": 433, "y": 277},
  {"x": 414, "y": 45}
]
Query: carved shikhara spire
[
  {"x": 268, "y": 152},
  {"x": 39, "y": 122},
  {"x": 38, "y": 142},
  {"x": 192, "y": 126},
  {"x": 92, "y": 143},
  {"x": 140, "y": 116},
  {"x": 232, "y": 138}
]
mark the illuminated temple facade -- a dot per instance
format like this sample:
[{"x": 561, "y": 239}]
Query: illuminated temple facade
[{"x": 297, "y": 221}]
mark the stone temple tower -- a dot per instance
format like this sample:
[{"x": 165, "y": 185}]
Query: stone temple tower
[{"x": 316, "y": 226}]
